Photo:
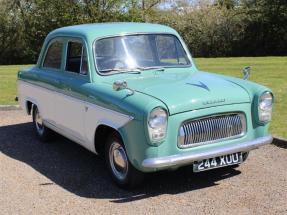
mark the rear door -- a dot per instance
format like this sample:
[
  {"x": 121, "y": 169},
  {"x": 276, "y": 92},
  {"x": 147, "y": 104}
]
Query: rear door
[{"x": 48, "y": 79}]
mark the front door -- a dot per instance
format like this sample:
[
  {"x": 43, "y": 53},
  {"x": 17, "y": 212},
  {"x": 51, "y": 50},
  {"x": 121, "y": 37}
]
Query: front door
[{"x": 70, "y": 108}]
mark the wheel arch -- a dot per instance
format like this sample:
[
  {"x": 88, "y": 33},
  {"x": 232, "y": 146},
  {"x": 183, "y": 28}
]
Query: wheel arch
[
  {"x": 29, "y": 105},
  {"x": 102, "y": 132}
]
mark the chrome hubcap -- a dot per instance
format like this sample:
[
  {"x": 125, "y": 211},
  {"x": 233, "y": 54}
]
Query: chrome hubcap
[
  {"x": 118, "y": 160},
  {"x": 39, "y": 122}
]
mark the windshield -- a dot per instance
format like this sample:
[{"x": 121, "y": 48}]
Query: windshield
[{"x": 126, "y": 53}]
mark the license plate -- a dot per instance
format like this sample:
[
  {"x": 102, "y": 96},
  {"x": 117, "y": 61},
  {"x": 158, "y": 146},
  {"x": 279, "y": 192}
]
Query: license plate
[{"x": 217, "y": 162}]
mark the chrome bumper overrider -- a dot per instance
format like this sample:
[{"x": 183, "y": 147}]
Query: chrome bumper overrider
[{"x": 190, "y": 157}]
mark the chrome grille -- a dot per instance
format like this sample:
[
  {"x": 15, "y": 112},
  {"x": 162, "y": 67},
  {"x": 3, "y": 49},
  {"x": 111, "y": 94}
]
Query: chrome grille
[{"x": 211, "y": 129}]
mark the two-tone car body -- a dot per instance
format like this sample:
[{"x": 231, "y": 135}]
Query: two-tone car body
[{"x": 132, "y": 92}]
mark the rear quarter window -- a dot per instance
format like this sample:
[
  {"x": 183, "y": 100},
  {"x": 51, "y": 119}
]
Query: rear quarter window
[{"x": 53, "y": 56}]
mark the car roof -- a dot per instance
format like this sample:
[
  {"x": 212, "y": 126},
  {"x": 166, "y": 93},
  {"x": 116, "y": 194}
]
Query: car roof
[{"x": 97, "y": 30}]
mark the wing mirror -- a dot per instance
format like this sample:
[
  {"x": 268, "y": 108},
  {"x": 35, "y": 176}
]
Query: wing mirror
[
  {"x": 246, "y": 72},
  {"x": 121, "y": 85}
]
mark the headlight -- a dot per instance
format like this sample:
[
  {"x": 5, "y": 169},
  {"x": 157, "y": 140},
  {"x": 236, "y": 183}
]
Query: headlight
[
  {"x": 265, "y": 107},
  {"x": 157, "y": 124}
]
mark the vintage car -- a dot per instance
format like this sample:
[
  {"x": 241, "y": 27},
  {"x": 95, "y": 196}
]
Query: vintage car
[{"x": 131, "y": 92}]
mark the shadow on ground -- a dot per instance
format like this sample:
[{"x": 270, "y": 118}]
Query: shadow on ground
[
  {"x": 84, "y": 174},
  {"x": 280, "y": 143}
]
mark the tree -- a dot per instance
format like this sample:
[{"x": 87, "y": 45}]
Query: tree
[
  {"x": 266, "y": 27},
  {"x": 209, "y": 27}
]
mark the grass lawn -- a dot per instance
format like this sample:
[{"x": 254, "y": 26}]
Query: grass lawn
[
  {"x": 8, "y": 76},
  {"x": 269, "y": 71}
]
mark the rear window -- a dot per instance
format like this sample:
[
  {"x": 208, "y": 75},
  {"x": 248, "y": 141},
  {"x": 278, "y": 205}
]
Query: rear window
[{"x": 53, "y": 56}]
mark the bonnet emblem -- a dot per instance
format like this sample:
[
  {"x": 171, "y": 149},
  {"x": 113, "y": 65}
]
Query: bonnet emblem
[
  {"x": 202, "y": 85},
  {"x": 209, "y": 102}
]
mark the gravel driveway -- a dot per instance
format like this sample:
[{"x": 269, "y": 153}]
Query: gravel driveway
[{"x": 63, "y": 178}]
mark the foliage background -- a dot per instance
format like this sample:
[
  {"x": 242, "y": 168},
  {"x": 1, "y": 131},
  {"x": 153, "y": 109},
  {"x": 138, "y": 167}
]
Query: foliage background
[{"x": 209, "y": 27}]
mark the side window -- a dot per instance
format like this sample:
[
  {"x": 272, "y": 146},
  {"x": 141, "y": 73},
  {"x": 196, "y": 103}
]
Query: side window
[
  {"x": 77, "y": 58},
  {"x": 53, "y": 56}
]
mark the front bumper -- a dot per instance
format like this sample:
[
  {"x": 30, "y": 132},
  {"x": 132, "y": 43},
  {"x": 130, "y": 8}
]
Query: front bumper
[{"x": 189, "y": 157}]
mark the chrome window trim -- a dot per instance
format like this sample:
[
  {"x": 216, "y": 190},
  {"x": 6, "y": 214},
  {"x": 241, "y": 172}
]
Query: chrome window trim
[
  {"x": 82, "y": 51},
  {"x": 142, "y": 33},
  {"x": 210, "y": 122}
]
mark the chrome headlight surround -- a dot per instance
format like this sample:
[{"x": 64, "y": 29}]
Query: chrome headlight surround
[
  {"x": 157, "y": 124},
  {"x": 265, "y": 105}
]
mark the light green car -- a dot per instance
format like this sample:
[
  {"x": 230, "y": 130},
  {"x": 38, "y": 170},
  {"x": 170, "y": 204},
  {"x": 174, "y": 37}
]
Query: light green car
[{"x": 131, "y": 92}]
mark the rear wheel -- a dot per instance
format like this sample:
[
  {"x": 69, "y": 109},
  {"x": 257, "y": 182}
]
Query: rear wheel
[
  {"x": 120, "y": 168},
  {"x": 43, "y": 133}
]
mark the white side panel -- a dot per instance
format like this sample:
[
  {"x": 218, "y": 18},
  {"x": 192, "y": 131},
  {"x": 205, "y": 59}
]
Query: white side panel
[
  {"x": 39, "y": 96},
  {"x": 96, "y": 115},
  {"x": 71, "y": 117}
]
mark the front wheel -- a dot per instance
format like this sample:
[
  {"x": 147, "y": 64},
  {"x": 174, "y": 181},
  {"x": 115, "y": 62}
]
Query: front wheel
[
  {"x": 120, "y": 168},
  {"x": 44, "y": 133}
]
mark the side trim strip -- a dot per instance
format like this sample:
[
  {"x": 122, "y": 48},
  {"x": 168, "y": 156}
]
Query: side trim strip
[{"x": 190, "y": 157}]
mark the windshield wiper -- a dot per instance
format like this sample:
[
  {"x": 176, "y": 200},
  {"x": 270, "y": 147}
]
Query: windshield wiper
[
  {"x": 136, "y": 70},
  {"x": 117, "y": 71},
  {"x": 151, "y": 67}
]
